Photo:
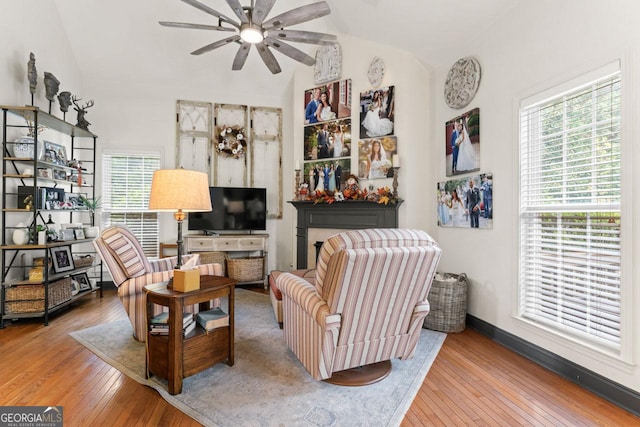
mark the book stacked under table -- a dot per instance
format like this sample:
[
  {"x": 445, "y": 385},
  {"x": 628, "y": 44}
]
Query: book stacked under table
[
  {"x": 159, "y": 325},
  {"x": 208, "y": 320},
  {"x": 212, "y": 319}
]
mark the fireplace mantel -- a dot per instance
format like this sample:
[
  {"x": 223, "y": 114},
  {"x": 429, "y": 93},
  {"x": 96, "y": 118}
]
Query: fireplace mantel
[{"x": 351, "y": 214}]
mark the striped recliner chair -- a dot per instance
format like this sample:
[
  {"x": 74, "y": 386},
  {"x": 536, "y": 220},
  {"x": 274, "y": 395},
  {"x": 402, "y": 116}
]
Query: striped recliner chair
[
  {"x": 131, "y": 271},
  {"x": 367, "y": 305}
]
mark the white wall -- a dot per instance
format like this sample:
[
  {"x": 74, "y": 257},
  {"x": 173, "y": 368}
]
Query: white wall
[
  {"x": 48, "y": 43},
  {"x": 53, "y": 54},
  {"x": 542, "y": 44}
]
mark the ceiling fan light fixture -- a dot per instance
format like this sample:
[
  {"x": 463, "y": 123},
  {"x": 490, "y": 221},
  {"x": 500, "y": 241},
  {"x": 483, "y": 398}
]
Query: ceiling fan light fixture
[{"x": 251, "y": 33}]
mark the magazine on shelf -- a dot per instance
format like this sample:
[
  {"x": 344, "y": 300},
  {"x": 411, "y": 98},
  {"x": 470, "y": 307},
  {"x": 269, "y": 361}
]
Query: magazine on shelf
[{"x": 212, "y": 319}]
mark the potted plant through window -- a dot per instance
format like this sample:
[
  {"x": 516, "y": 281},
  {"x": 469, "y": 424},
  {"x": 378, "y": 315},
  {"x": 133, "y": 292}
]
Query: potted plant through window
[{"x": 93, "y": 205}]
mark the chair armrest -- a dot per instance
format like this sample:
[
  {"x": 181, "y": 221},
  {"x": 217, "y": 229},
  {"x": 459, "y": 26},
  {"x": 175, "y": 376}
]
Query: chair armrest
[
  {"x": 420, "y": 311},
  {"x": 163, "y": 264},
  {"x": 168, "y": 263},
  {"x": 304, "y": 295}
]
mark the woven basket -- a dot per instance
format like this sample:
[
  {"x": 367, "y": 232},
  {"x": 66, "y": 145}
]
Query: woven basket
[
  {"x": 30, "y": 298},
  {"x": 246, "y": 269},
  {"x": 213, "y": 258},
  {"x": 83, "y": 261},
  {"x": 448, "y": 301}
]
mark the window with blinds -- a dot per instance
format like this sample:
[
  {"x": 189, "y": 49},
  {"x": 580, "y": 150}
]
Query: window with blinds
[
  {"x": 570, "y": 189},
  {"x": 126, "y": 187}
]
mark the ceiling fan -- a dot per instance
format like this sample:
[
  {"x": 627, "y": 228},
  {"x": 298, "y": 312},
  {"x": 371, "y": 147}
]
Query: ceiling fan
[{"x": 252, "y": 28}]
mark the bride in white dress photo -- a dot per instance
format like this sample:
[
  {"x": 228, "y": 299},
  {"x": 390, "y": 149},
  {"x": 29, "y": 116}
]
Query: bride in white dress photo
[
  {"x": 466, "y": 151},
  {"x": 324, "y": 112},
  {"x": 374, "y": 123}
]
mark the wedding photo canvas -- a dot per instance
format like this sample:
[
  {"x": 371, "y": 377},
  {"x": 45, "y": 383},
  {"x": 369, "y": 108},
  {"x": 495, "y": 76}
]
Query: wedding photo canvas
[
  {"x": 462, "y": 143},
  {"x": 328, "y": 140},
  {"x": 327, "y": 102},
  {"x": 329, "y": 175},
  {"x": 377, "y": 112},
  {"x": 466, "y": 202},
  {"x": 374, "y": 157}
]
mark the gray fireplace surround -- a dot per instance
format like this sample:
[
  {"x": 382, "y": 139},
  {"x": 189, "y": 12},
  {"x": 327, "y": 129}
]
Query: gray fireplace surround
[{"x": 349, "y": 214}]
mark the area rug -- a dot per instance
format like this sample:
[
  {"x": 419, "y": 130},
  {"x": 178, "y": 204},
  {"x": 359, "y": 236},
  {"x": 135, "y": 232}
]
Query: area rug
[{"x": 267, "y": 386}]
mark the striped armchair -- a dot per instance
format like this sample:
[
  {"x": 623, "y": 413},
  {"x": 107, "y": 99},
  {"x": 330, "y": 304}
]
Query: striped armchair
[
  {"x": 368, "y": 302},
  {"x": 131, "y": 270}
]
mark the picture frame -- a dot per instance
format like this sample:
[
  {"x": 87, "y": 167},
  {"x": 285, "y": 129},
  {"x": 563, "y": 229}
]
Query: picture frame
[
  {"x": 60, "y": 174},
  {"x": 55, "y": 154},
  {"x": 78, "y": 233},
  {"x": 62, "y": 259},
  {"x": 66, "y": 235},
  {"x": 74, "y": 199},
  {"x": 83, "y": 281}
]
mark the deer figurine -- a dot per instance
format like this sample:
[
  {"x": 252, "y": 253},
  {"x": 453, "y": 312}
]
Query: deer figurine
[{"x": 82, "y": 122}]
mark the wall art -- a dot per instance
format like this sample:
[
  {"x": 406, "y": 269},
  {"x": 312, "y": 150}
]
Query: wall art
[
  {"x": 374, "y": 157},
  {"x": 462, "y": 143},
  {"x": 327, "y": 102},
  {"x": 327, "y": 140},
  {"x": 462, "y": 82},
  {"x": 466, "y": 202},
  {"x": 377, "y": 112}
]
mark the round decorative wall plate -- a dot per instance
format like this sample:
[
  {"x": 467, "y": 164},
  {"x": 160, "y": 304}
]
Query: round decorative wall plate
[
  {"x": 462, "y": 82},
  {"x": 328, "y": 66},
  {"x": 376, "y": 71}
]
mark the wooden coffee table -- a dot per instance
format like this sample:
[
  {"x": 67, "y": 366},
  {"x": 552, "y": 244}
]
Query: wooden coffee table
[{"x": 174, "y": 356}]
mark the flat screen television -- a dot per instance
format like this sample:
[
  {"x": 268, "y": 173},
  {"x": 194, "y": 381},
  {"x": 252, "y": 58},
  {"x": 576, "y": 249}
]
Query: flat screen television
[{"x": 234, "y": 209}]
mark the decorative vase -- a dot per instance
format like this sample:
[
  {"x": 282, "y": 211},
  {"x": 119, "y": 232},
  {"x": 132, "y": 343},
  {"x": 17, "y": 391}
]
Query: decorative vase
[
  {"x": 21, "y": 235},
  {"x": 24, "y": 148},
  {"x": 91, "y": 232}
]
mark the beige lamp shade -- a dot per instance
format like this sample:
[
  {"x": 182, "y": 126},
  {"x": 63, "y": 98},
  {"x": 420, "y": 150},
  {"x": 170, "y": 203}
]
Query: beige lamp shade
[{"x": 180, "y": 189}]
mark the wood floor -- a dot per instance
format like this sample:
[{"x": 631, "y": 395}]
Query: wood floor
[{"x": 473, "y": 381}]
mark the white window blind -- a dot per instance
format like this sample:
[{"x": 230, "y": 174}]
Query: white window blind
[
  {"x": 125, "y": 196},
  {"x": 570, "y": 210}
]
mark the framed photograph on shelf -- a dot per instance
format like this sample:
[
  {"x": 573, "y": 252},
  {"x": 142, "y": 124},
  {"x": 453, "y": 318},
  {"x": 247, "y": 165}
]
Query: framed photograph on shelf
[
  {"x": 62, "y": 260},
  {"x": 74, "y": 199},
  {"x": 67, "y": 234},
  {"x": 83, "y": 281},
  {"x": 55, "y": 153},
  {"x": 60, "y": 174},
  {"x": 78, "y": 233}
]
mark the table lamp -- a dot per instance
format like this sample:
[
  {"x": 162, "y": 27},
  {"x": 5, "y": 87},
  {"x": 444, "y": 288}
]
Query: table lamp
[{"x": 179, "y": 191}]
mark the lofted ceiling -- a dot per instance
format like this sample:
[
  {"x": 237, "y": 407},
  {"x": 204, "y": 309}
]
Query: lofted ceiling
[{"x": 121, "y": 40}]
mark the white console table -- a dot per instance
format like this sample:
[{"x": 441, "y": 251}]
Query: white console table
[{"x": 231, "y": 243}]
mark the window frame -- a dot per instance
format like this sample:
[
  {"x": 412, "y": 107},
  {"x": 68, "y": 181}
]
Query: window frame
[
  {"x": 624, "y": 351},
  {"x": 150, "y": 246}
]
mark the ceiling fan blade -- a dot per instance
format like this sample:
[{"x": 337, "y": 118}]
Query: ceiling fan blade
[
  {"x": 303, "y": 36},
  {"x": 215, "y": 45},
  {"x": 290, "y": 51},
  {"x": 238, "y": 10},
  {"x": 261, "y": 10},
  {"x": 212, "y": 12},
  {"x": 298, "y": 15},
  {"x": 268, "y": 58},
  {"x": 241, "y": 56},
  {"x": 194, "y": 26}
]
